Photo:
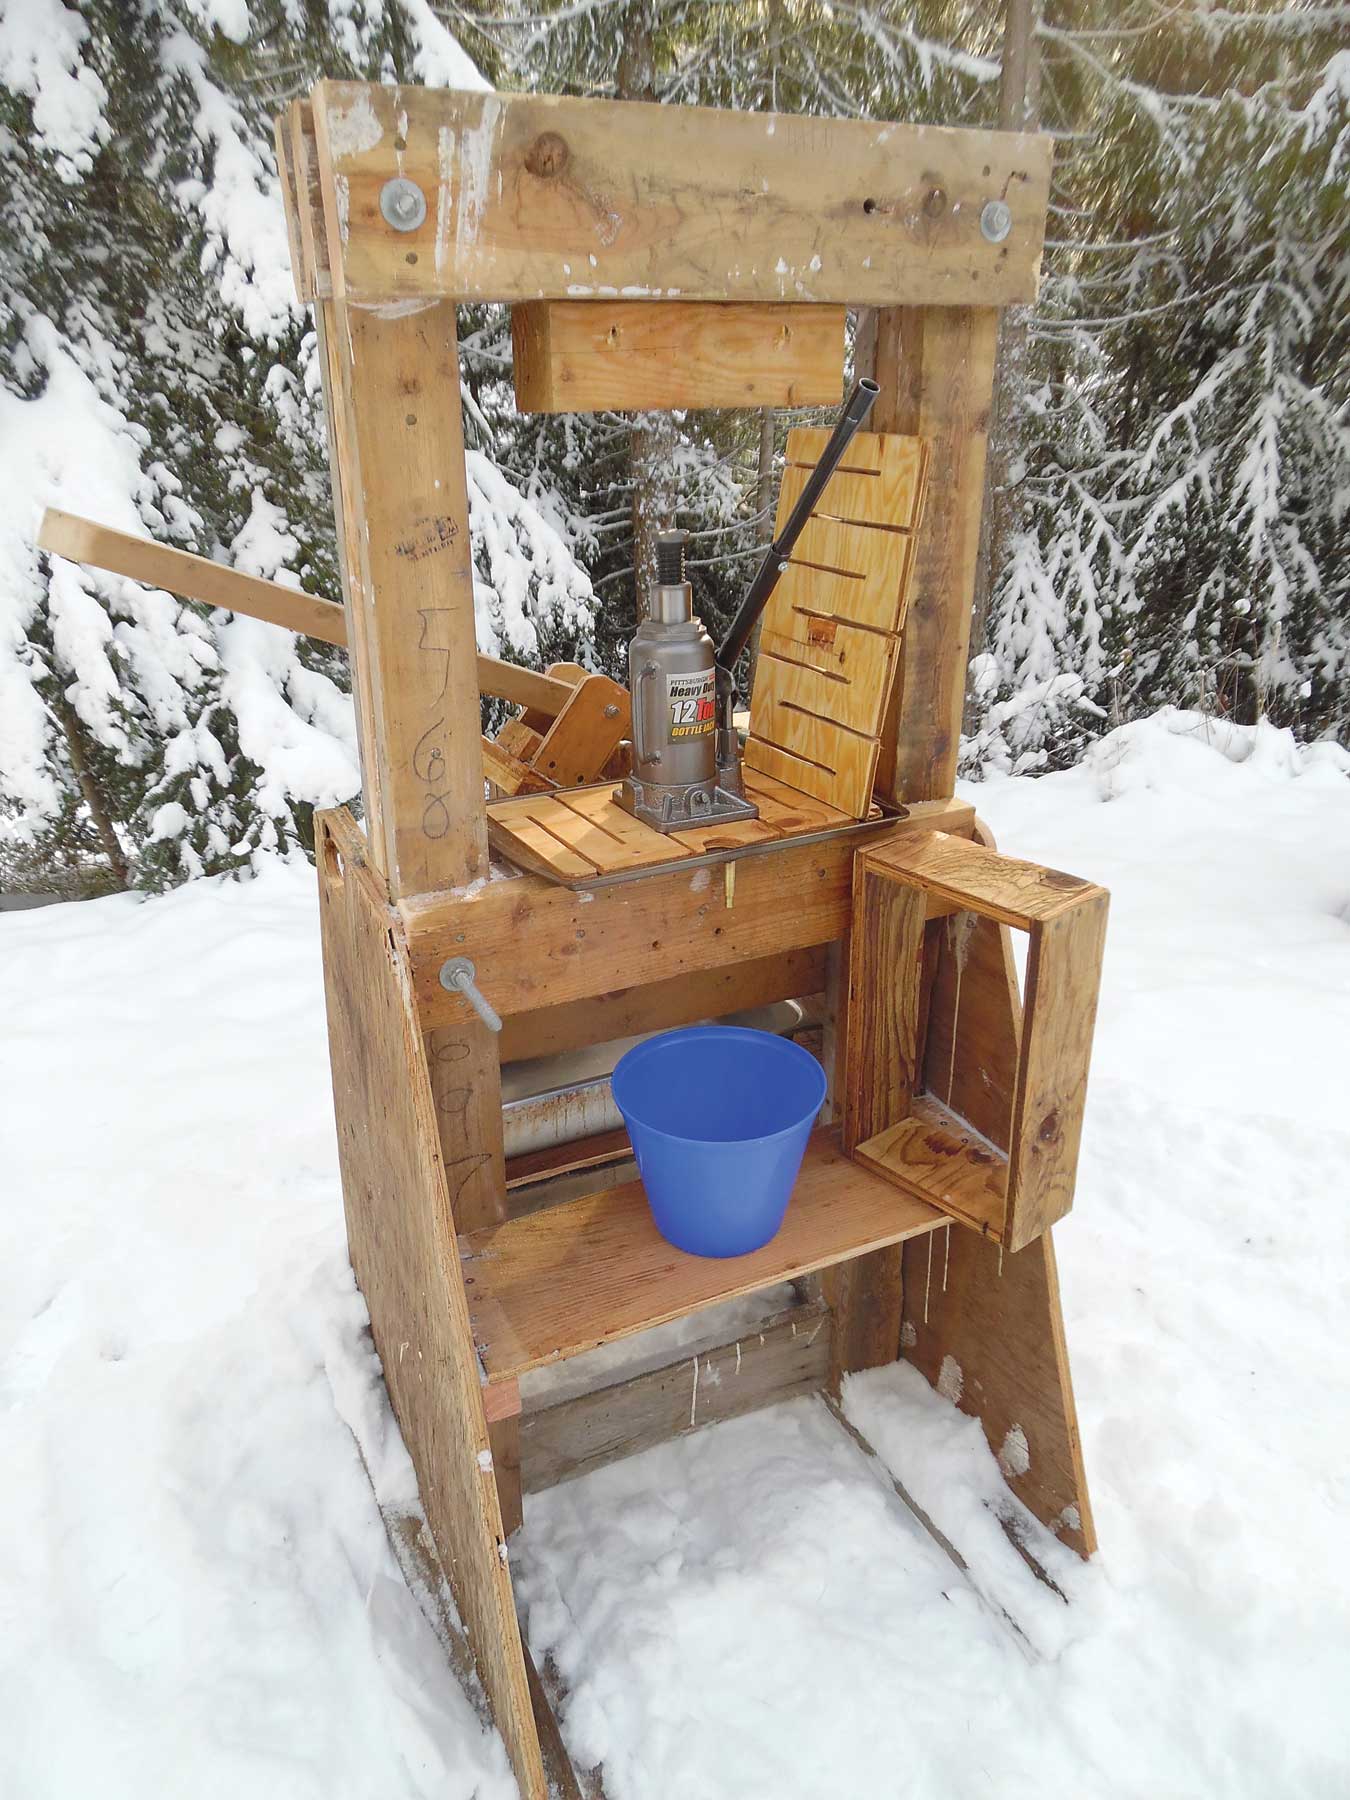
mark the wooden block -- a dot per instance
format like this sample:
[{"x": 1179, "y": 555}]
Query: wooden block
[
  {"x": 595, "y": 715},
  {"x": 561, "y": 1281},
  {"x": 835, "y": 765},
  {"x": 632, "y": 355},
  {"x": 538, "y": 944},
  {"x": 534, "y": 197},
  {"x": 516, "y": 739},
  {"x": 786, "y": 1356},
  {"x": 401, "y": 1228},
  {"x": 508, "y": 774}
]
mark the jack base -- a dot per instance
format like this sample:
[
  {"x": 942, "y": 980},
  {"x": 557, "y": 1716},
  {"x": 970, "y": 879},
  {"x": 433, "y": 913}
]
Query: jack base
[{"x": 682, "y": 808}]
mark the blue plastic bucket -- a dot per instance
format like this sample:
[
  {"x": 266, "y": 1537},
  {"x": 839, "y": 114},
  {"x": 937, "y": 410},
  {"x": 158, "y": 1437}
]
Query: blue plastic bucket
[{"x": 718, "y": 1117}]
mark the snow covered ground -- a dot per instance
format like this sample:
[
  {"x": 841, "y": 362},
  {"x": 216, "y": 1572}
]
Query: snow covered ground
[{"x": 197, "y": 1595}]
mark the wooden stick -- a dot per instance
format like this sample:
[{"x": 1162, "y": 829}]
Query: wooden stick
[{"x": 216, "y": 584}]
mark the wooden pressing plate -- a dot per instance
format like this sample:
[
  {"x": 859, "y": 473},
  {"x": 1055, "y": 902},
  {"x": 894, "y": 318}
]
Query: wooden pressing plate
[
  {"x": 557, "y": 1282},
  {"x": 582, "y": 837}
]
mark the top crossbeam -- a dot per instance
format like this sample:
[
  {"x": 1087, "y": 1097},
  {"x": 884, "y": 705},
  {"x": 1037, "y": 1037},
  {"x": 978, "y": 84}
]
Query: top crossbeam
[{"x": 528, "y": 197}]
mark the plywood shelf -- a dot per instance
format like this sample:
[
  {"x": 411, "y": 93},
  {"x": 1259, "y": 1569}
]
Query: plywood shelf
[{"x": 556, "y": 1283}]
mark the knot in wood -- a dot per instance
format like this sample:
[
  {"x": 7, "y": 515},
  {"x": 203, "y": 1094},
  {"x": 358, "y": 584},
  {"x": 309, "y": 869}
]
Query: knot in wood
[
  {"x": 547, "y": 155},
  {"x": 935, "y": 203},
  {"x": 1049, "y": 1130}
]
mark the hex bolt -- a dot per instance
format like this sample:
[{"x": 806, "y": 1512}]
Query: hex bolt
[
  {"x": 457, "y": 977},
  {"x": 996, "y": 220},
  {"x": 402, "y": 204}
]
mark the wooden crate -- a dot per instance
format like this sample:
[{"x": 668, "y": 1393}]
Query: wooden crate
[{"x": 1008, "y": 1178}]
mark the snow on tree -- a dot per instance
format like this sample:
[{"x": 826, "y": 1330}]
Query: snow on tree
[{"x": 157, "y": 374}]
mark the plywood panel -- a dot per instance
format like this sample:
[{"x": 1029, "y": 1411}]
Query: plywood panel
[
  {"x": 534, "y": 197},
  {"x": 783, "y": 1357},
  {"x": 986, "y": 1329},
  {"x": 936, "y": 1155},
  {"x": 558, "y": 1282},
  {"x": 888, "y": 495},
  {"x": 834, "y": 765},
  {"x": 1063, "y": 977},
  {"x": 599, "y": 355}
]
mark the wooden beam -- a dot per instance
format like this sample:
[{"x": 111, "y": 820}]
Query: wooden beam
[
  {"x": 631, "y": 355},
  {"x": 401, "y": 1229},
  {"x": 538, "y": 944},
  {"x": 534, "y": 197},
  {"x": 662, "y": 1005},
  {"x": 936, "y": 370},
  {"x": 785, "y": 1356},
  {"x": 194, "y": 577}
]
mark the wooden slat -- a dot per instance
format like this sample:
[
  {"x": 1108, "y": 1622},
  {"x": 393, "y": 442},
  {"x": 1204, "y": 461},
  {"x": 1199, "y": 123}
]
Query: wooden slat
[
  {"x": 661, "y": 1005},
  {"x": 539, "y": 944},
  {"x": 194, "y": 577},
  {"x": 612, "y": 839},
  {"x": 936, "y": 370},
  {"x": 1063, "y": 977},
  {"x": 787, "y": 1355},
  {"x": 630, "y": 355},
  {"x": 855, "y": 703},
  {"x": 888, "y": 496},
  {"x": 523, "y": 202},
  {"x": 301, "y": 275},
  {"x": 553, "y": 854},
  {"x": 833, "y": 646},
  {"x": 935, "y": 1155},
  {"x": 565, "y": 1280},
  {"x": 883, "y": 1043},
  {"x": 309, "y": 199},
  {"x": 508, "y": 774},
  {"x": 836, "y": 766},
  {"x": 401, "y": 1229},
  {"x": 967, "y": 874}
]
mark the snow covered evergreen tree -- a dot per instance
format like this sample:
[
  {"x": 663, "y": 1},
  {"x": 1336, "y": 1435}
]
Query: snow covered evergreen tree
[{"x": 158, "y": 374}]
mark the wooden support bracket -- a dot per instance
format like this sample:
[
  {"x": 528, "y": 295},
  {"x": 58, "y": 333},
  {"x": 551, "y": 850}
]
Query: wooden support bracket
[{"x": 913, "y": 1137}]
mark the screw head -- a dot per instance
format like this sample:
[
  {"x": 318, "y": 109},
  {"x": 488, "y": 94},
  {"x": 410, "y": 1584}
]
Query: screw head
[
  {"x": 402, "y": 204},
  {"x": 996, "y": 220}
]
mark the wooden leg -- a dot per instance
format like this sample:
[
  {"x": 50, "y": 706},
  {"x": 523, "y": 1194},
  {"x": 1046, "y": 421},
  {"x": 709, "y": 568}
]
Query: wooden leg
[
  {"x": 989, "y": 1336},
  {"x": 504, "y": 1437},
  {"x": 403, "y": 1246}
]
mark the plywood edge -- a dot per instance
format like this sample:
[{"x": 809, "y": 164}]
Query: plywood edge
[{"x": 401, "y": 1235}]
